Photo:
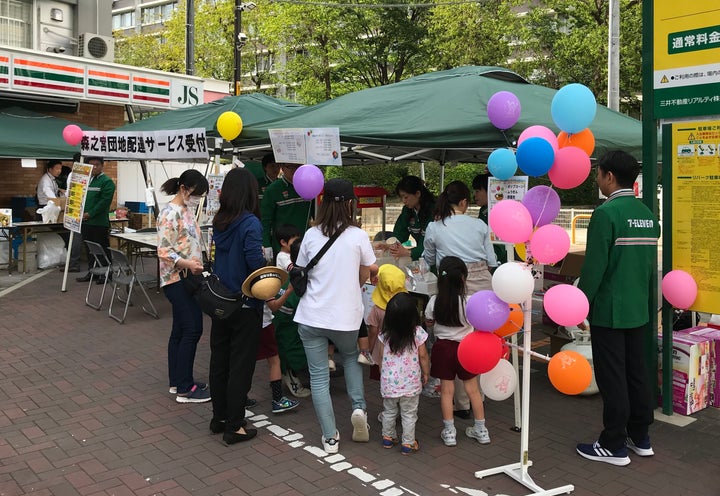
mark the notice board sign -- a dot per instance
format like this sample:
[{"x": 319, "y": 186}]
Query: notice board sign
[
  {"x": 318, "y": 146},
  {"x": 76, "y": 193},
  {"x": 511, "y": 189},
  {"x": 179, "y": 144},
  {"x": 695, "y": 213}
]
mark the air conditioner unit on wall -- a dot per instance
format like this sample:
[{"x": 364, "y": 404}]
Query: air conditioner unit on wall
[{"x": 94, "y": 46}]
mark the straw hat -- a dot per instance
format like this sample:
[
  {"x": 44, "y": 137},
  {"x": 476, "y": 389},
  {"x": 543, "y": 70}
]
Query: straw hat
[
  {"x": 264, "y": 283},
  {"x": 391, "y": 281}
]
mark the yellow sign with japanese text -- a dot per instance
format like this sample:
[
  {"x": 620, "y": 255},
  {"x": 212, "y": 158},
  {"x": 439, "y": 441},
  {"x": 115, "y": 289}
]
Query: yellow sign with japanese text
[
  {"x": 695, "y": 215},
  {"x": 76, "y": 193},
  {"x": 686, "y": 75}
]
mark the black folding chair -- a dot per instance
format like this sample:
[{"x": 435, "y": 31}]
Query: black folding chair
[
  {"x": 124, "y": 274},
  {"x": 100, "y": 268}
]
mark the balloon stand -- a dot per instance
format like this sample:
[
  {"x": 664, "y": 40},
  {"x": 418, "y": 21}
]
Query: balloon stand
[{"x": 519, "y": 471}]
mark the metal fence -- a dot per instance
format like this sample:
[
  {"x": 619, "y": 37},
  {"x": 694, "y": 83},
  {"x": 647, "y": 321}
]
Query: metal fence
[{"x": 573, "y": 220}]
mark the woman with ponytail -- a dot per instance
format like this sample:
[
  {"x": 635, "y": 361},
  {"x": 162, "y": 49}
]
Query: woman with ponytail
[
  {"x": 455, "y": 234},
  {"x": 180, "y": 248}
]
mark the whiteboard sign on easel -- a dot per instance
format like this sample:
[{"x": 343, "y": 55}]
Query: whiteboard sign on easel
[{"x": 318, "y": 145}]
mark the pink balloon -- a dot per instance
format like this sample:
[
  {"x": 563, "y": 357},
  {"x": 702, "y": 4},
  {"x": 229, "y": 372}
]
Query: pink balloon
[
  {"x": 539, "y": 132},
  {"x": 308, "y": 181},
  {"x": 549, "y": 244},
  {"x": 72, "y": 134},
  {"x": 571, "y": 168},
  {"x": 511, "y": 221},
  {"x": 679, "y": 289},
  {"x": 503, "y": 110},
  {"x": 486, "y": 312},
  {"x": 566, "y": 305}
]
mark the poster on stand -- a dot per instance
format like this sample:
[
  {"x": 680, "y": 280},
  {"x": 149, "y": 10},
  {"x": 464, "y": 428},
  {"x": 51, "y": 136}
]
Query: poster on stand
[
  {"x": 318, "y": 146},
  {"x": 76, "y": 193}
]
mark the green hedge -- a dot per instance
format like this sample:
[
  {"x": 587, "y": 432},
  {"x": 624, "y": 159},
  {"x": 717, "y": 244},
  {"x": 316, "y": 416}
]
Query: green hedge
[{"x": 388, "y": 175}]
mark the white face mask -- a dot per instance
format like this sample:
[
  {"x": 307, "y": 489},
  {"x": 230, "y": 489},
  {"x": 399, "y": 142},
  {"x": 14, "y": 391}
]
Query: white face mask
[{"x": 193, "y": 202}]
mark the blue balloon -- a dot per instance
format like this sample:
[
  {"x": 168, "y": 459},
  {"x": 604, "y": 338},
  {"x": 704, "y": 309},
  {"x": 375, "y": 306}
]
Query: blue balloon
[
  {"x": 502, "y": 163},
  {"x": 535, "y": 156},
  {"x": 573, "y": 108}
]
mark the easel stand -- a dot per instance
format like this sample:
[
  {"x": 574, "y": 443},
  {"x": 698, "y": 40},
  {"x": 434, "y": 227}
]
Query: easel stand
[{"x": 519, "y": 471}]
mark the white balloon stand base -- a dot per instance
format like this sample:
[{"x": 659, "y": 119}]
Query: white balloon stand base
[{"x": 519, "y": 471}]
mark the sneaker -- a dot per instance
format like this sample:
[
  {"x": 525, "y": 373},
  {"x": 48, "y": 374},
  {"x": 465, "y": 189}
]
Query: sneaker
[
  {"x": 200, "y": 385},
  {"x": 482, "y": 435},
  {"x": 331, "y": 365},
  {"x": 361, "y": 429},
  {"x": 448, "y": 436},
  {"x": 284, "y": 405},
  {"x": 295, "y": 386},
  {"x": 643, "y": 448},
  {"x": 388, "y": 442},
  {"x": 195, "y": 395},
  {"x": 597, "y": 453},
  {"x": 406, "y": 449},
  {"x": 250, "y": 403},
  {"x": 331, "y": 445},
  {"x": 365, "y": 358}
]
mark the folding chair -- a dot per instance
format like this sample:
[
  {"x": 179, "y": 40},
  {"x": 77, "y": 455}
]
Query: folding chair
[
  {"x": 100, "y": 268},
  {"x": 124, "y": 274}
]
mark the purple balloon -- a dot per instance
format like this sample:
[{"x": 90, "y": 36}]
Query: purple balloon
[
  {"x": 486, "y": 312},
  {"x": 308, "y": 181},
  {"x": 543, "y": 203},
  {"x": 503, "y": 110}
]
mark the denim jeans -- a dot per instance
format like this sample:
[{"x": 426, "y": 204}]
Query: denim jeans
[
  {"x": 315, "y": 340},
  {"x": 187, "y": 327},
  {"x": 407, "y": 407}
]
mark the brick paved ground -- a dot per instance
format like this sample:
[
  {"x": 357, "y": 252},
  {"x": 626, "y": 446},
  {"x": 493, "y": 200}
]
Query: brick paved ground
[{"x": 85, "y": 411}]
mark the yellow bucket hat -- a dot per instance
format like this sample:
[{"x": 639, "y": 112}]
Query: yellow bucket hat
[{"x": 391, "y": 281}]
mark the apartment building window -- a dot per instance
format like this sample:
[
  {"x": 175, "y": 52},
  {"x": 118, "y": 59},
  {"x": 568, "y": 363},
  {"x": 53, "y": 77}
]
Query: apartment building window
[
  {"x": 158, "y": 13},
  {"x": 126, "y": 20},
  {"x": 16, "y": 23}
]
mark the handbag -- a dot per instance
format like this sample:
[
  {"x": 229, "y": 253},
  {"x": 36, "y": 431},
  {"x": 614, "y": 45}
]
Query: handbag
[
  {"x": 299, "y": 275},
  {"x": 214, "y": 298}
]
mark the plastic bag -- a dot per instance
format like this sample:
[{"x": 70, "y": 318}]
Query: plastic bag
[
  {"x": 49, "y": 212},
  {"x": 51, "y": 250}
]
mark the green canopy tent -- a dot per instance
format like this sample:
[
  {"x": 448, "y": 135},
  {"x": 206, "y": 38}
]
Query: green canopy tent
[
  {"x": 251, "y": 108},
  {"x": 28, "y": 134},
  {"x": 440, "y": 116}
]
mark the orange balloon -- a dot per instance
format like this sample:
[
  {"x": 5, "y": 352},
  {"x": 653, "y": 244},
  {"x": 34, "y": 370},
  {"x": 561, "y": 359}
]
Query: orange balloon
[
  {"x": 583, "y": 140},
  {"x": 569, "y": 372},
  {"x": 514, "y": 322}
]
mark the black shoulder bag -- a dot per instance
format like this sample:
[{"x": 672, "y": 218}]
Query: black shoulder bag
[{"x": 299, "y": 275}]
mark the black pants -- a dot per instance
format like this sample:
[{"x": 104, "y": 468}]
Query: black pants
[
  {"x": 233, "y": 346},
  {"x": 621, "y": 375},
  {"x": 97, "y": 234}
]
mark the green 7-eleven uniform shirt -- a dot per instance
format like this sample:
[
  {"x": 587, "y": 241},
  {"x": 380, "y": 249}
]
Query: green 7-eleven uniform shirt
[{"x": 619, "y": 264}]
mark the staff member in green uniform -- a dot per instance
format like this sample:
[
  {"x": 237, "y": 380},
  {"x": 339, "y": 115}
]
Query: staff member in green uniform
[
  {"x": 281, "y": 205},
  {"x": 416, "y": 214},
  {"x": 616, "y": 278}
]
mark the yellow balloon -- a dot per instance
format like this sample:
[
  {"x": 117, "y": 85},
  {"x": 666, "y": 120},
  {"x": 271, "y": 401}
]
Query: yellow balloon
[
  {"x": 229, "y": 125},
  {"x": 521, "y": 251}
]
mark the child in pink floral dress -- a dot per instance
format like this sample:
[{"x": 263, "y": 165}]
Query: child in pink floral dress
[{"x": 404, "y": 368}]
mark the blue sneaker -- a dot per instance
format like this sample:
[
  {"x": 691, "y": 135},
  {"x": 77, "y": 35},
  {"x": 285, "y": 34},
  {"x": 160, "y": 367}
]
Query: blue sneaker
[
  {"x": 407, "y": 449},
  {"x": 597, "y": 453},
  {"x": 388, "y": 442},
  {"x": 195, "y": 395},
  {"x": 284, "y": 405},
  {"x": 642, "y": 448}
]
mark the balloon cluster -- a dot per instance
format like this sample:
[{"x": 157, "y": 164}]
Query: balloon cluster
[{"x": 565, "y": 158}]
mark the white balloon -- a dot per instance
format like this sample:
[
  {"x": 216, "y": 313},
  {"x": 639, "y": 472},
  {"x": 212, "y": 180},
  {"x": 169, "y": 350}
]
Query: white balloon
[
  {"x": 513, "y": 282},
  {"x": 499, "y": 384}
]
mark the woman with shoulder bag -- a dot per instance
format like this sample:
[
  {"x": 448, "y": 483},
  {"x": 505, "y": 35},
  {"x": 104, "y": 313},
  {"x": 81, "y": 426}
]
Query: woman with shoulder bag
[
  {"x": 332, "y": 310},
  {"x": 237, "y": 235},
  {"x": 179, "y": 249}
]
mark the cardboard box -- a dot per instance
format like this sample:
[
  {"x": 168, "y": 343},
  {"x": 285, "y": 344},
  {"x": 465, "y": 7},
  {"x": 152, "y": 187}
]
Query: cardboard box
[
  {"x": 140, "y": 221},
  {"x": 691, "y": 373},
  {"x": 713, "y": 334},
  {"x": 572, "y": 264}
]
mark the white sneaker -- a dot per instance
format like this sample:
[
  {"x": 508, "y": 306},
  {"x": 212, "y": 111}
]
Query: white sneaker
[
  {"x": 361, "y": 429},
  {"x": 295, "y": 386},
  {"x": 482, "y": 435},
  {"x": 331, "y": 365},
  {"x": 365, "y": 358},
  {"x": 331, "y": 445},
  {"x": 448, "y": 436}
]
